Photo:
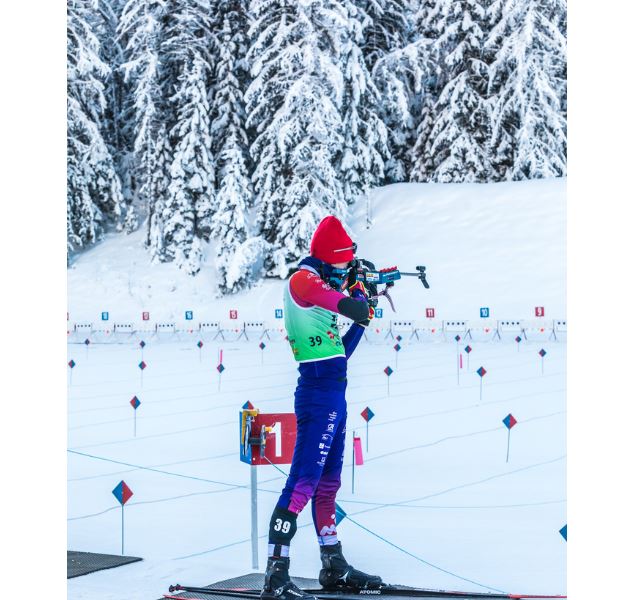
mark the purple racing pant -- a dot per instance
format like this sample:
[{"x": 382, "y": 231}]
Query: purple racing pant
[{"x": 318, "y": 455}]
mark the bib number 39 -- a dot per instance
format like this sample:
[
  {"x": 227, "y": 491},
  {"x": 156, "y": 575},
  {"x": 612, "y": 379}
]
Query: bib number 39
[
  {"x": 283, "y": 526},
  {"x": 315, "y": 341}
]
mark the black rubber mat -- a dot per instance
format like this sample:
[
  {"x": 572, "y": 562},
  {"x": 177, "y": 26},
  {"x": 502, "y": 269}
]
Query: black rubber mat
[{"x": 83, "y": 563}]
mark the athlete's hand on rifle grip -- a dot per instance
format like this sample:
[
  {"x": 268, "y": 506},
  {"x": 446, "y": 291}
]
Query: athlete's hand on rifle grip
[{"x": 358, "y": 290}]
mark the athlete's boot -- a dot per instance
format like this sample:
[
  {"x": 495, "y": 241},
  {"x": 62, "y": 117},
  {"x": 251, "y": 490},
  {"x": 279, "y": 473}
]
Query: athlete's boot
[
  {"x": 278, "y": 584},
  {"x": 337, "y": 574}
]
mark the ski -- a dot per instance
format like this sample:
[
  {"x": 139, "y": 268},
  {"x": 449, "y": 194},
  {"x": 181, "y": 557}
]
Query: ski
[{"x": 387, "y": 590}]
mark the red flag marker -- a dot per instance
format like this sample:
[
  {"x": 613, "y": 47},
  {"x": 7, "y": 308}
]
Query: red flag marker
[
  {"x": 509, "y": 422},
  {"x": 481, "y": 372}
]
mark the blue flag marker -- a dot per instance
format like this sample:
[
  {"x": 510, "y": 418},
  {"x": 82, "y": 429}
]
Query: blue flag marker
[
  {"x": 485, "y": 312},
  {"x": 104, "y": 316},
  {"x": 367, "y": 415},
  {"x": 563, "y": 532},
  {"x": 379, "y": 313},
  {"x": 135, "y": 403},
  {"x": 340, "y": 514},
  {"x": 71, "y": 364},
  {"x": 189, "y": 315},
  {"x": 278, "y": 313},
  {"x": 509, "y": 422},
  {"x": 457, "y": 339},
  {"x": 262, "y": 347},
  {"x": 388, "y": 372},
  {"x": 481, "y": 372},
  {"x": 123, "y": 493}
]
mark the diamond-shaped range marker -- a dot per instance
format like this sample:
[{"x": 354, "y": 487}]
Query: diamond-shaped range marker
[
  {"x": 142, "y": 344},
  {"x": 481, "y": 371},
  {"x": 122, "y": 492},
  {"x": 563, "y": 533},
  {"x": 397, "y": 347},
  {"x": 220, "y": 368},
  {"x": 399, "y": 338},
  {"x": 262, "y": 345},
  {"x": 71, "y": 363},
  {"x": 87, "y": 341},
  {"x": 388, "y": 371},
  {"x": 457, "y": 337},
  {"x": 135, "y": 402},
  {"x": 367, "y": 414},
  {"x": 142, "y": 365},
  {"x": 518, "y": 339},
  {"x": 468, "y": 349},
  {"x": 340, "y": 513},
  {"x": 509, "y": 421},
  {"x": 200, "y": 344},
  {"x": 248, "y": 406},
  {"x": 542, "y": 352}
]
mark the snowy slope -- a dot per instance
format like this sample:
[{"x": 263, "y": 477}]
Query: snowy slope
[{"x": 499, "y": 245}]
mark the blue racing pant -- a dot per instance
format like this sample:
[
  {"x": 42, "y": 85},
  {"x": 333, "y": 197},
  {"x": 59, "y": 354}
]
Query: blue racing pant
[{"x": 318, "y": 455}]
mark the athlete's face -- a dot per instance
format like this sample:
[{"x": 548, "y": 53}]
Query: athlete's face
[{"x": 339, "y": 281}]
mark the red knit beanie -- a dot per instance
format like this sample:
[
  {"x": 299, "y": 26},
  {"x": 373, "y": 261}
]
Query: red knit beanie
[{"x": 331, "y": 243}]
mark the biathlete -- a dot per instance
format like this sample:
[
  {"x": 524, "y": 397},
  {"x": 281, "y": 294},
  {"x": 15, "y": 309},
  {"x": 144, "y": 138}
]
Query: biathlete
[{"x": 313, "y": 299}]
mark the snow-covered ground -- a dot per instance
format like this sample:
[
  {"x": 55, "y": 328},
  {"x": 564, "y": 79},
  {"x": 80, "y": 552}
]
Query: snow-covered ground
[{"x": 436, "y": 482}]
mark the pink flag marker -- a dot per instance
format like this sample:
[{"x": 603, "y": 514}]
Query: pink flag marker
[
  {"x": 358, "y": 459},
  {"x": 357, "y": 451}
]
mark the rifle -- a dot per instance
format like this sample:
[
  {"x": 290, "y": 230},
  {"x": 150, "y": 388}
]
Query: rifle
[{"x": 366, "y": 272}]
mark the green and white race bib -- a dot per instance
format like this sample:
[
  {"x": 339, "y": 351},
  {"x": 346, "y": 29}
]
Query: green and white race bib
[{"x": 313, "y": 332}]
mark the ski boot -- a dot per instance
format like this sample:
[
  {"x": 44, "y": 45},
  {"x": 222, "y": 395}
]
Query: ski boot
[
  {"x": 278, "y": 584},
  {"x": 337, "y": 574}
]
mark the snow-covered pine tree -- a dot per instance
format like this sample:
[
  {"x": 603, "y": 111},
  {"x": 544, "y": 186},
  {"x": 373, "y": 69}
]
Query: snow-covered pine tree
[
  {"x": 157, "y": 191},
  {"x": 528, "y": 87},
  {"x": 94, "y": 196},
  {"x": 387, "y": 27},
  {"x": 385, "y": 35},
  {"x": 118, "y": 119},
  {"x": 459, "y": 139},
  {"x": 425, "y": 35},
  {"x": 140, "y": 30},
  {"x": 231, "y": 147},
  {"x": 187, "y": 212},
  {"x": 293, "y": 106},
  {"x": 365, "y": 136}
]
